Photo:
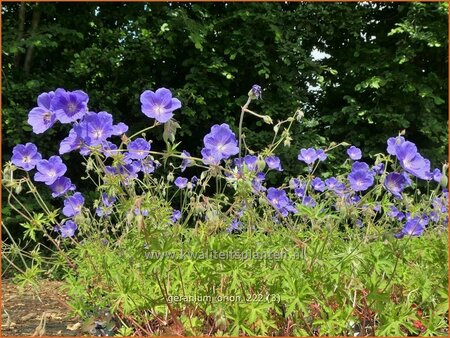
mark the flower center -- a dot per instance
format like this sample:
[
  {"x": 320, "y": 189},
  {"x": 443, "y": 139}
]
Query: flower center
[
  {"x": 52, "y": 173},
  {"x": 392, "y": 186},
  {"x": 47, "y": 117},
  {"x": 159, "y": 109},
  {"x": 220, "y": 147},
  {"x": 98, "y": 133},
  {"x": 71, "y": 107},
  {"x": 26, "y": 159}
]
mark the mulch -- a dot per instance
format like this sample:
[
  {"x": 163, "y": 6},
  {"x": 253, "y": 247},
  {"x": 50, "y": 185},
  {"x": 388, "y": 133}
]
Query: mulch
[{"x": 41, "y": 312}]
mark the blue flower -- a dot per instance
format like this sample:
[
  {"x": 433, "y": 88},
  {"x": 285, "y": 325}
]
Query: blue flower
[
  {"x": 176, "y": 215},
  {"x": 334, "y": 185},
  {"x": 321, "y": 155},
  {"x": 42, "y": 117},
  {"x": 256, "y": 92},
  {"x": 413, "y": 227},
  {"x": 119, "y": 129},
  {"x": 71, "y": 143},
  {"x": 49, "y": 170},
  {"x": 411, "y": 160},
  {"x": 378, "y": 169},
  {"x": 25, "y": 156},
  {"x": 109, "y": 149},
  {"x": 69, "y": 106},
  {"x": 257, "y": 182},
  {"x": 317, "y": 184},
  {"x": 309, "y": 156},
  {"x": 95, "y": 128},
  {"x": 395, "y": 183},
  {"x": 67, "y": 229},
  {"x": 273, "y": 162},
  {"x": 147, "y": 166},
  {"x": 221, "y": 142},
  {"x": 159, "y": 105},
  {"x": 73, "y": 205},
  {"x": 360, "y": 178},
  {"x": 395, "y": 213},
  {"x": 234, "y": 226},
  {"x": 309, "y": 202},
  {"x": 61, "y": 186},
  {"x": 186, "y": 161},
  {"x": 393, "y": 143},
  {"x": 250, "y": 161},
  {"x": 354, "y": 153},
  {"x": 138, "y": 149},
  {"x": 181, "y": 182},
  {"x": 280, "y": 201},
  {"x": 437, "y": 175},
  {"x": 107, "y": 202}
]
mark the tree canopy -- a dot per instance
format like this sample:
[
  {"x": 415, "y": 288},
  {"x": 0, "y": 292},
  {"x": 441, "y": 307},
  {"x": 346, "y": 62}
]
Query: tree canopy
[{"x": 385, "y": 69}]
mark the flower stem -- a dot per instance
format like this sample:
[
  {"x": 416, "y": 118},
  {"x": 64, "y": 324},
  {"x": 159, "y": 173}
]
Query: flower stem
[
  {"x": 244, "y": 108},
  {"x": 144, "y": 130}
]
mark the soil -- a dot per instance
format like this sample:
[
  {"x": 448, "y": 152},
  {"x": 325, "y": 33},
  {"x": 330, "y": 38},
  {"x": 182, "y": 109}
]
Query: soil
[{"x": 23, "y": 311}]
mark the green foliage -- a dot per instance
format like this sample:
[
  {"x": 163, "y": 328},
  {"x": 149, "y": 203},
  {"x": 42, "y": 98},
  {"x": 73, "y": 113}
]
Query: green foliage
[
  {"x": 323, "y": 287},
  {"x": 391, "y": 74}
]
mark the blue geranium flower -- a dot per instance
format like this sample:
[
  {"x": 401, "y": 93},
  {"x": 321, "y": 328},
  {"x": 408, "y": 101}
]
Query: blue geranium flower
[
  {"x": 73, "y": 205},
  {"x": 69, "y": 106},
  {"x": 49, "y": 170},
  {"x": 361, "y": 178},
  {"x": 395, "y": 183},
  {"x": 25, "y": 156},
  {"x": 354, "y": 153},
  {"x": 221, "y": 140},
  {"x": 159, "y": 105}
]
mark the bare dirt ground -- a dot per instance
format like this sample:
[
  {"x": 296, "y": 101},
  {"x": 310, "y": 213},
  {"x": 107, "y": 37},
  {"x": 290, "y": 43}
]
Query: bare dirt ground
[{"x": 45, "y": 313}]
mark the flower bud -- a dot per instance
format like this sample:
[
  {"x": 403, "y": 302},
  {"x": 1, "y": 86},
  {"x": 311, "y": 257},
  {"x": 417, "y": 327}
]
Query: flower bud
[
  {"x": 262, "y": 201},
  {"x": 255, "y": 92},
  {"x": 292, "y": 183},
  {"x": 18, "y": 189},
  {"x": 444, "y": 181},
  {"x": 170, "y": 177},
  {"x": 267, "y": 119},
  {"x": 129, "y": 216},
  {"x": 287, "y": 141},
  {"x": 140, "y": 222},
  {"x": 300, "y": 115},
  {"x": 260, "y": 164}
]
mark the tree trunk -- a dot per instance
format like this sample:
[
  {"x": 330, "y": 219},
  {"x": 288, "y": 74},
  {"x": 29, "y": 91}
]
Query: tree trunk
[
  {"x": 20, "y": 32},
  {"x": 34, "y": 25}
]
